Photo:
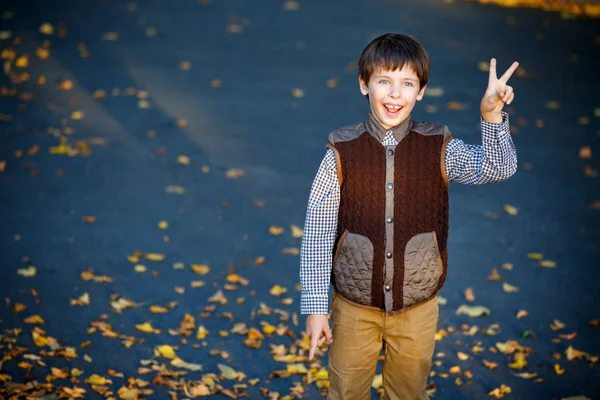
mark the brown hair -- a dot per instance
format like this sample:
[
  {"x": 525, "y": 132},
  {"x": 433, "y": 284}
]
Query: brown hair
[{"x": 392, "y": 51}]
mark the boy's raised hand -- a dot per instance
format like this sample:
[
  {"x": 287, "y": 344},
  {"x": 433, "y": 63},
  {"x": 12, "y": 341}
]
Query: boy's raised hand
[
  {"x": 317, "y": 328},
  {"x": 497, "y": 93}
]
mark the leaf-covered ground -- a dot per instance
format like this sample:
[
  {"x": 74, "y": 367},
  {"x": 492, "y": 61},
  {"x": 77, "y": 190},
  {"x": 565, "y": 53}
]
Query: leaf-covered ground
[{"x": 155, "y": 163}]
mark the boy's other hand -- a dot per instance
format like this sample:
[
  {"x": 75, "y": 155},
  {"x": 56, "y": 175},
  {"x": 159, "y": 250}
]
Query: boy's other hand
[
  {"x": 317, "y": 328},
  {"x": 497, "y": 93}
]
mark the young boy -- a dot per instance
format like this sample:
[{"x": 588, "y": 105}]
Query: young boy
[{"x": 377, "y": 222}]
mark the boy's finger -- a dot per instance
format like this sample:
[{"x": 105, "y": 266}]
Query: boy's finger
[
  {"x": 328, "y": 334},
  {"x": 321, "y": 340},
  {"x": 509, "y": 72},
  {"x": 313, "y": 347},
  {"x": 492, "y": 70}
]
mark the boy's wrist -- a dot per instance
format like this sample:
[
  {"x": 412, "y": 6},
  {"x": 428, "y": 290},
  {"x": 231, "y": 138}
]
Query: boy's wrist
[{"x": 494, "y": 118}]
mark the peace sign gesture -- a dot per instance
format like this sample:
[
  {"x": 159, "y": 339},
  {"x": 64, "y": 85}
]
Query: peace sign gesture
[{"x": 497, "y": 93}]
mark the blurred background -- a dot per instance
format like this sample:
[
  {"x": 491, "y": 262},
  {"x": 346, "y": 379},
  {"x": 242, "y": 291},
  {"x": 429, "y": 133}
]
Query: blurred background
[{"x": 155, "y": 163}]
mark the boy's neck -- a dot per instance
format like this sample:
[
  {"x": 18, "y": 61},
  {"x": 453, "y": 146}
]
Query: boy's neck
[{"x": 399, "y": 131}]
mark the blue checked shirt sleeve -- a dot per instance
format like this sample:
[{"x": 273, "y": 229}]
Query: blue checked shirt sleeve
[
  {"x": 494, "y": 160},
  {"x": 320, "y": 230}
]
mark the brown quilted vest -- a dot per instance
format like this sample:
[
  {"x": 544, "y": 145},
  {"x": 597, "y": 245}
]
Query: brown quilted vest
[{"x": 391, "y": 247}]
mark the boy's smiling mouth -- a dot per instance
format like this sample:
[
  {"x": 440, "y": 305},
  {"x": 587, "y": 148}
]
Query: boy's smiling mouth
[{"x": 393, "y": 108}]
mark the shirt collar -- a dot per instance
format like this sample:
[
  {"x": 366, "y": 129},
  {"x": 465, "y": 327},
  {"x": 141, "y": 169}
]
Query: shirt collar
[{"x": 399, "y": 131}]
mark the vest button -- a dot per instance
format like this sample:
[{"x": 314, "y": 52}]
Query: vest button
[
  {"x": 388, "y": 254},
  {"x": 388, "y": 288},
  {"x": 389, "y": 220},
  {"x": 390, "y": 152},
  {"x": 390, "y": 186}
]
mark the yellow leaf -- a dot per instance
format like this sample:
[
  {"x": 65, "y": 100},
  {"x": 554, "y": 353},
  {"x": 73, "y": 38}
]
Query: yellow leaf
[
  {"x": 275, "y": 230},
  {"x": 140, "y": 268},
  {"x": 27, "y": 272},
  {"x": 182, "y": 159},
  {"x": 535, "y": 256},
  {"x": 158, "y": 309},
  {"x": 179, "y": 363},
  {"x": 552, "y": 105},
  {"x": 558, "y": 369},
  {"x": 46, "y": 28},
  {"x": 39, "y": 340},
  {"x": 297, "y": 368},
  {"x": 269, "y": 329},
  {"x": 547, "y": 264},
  {"x": 297, "y": 93},
  {"x": 277, "y": 290},
  {"x": 490, "y": 365},
  {"x": 216, "y": 83},
  {"x": 500, "y": 392},
  {"x": 227, "y": 372},
  {"x": 197, "y": 284},
  {"x": 522, "y": 314},
  {"x": 200, "y": 269},
  {"x": 520, "y": 361},
  {"x": 165, "y": 351},
  {"x": 235, "y": 278},
  {"x": 434, "y": 91},
  {"x": 96, "y": 379},
  {"x": 128, "y": 393},
  {"x": 297, "y": 232},
  {"x": 145, "y": 327},
  {"x": 508, "y": 288},
  {"x": 511, "y": 209},
  {"x": 462, "y": 356},
  {"x": 455, "y": 369},
  {"x": 291, "y": 251},
  {"x": 22, "y": 62},
  {"x": 76, "y": 115},
  {"x": 585, "y": 152},
  {"x": 218, "y": 298},
  {"x": 34, "y": 319},
  {"x": 233, "y": 173},
  {"x": 155, "y": 256},
  {"x": 291, "y": 5},
  {"x": 201, "y": 333},
  {"x": 473, "y": 311},
  {"x": 557, "y": 325}
]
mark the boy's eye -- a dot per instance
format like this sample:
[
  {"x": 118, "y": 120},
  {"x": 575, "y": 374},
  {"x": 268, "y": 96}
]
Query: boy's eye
[
  {"x": 408, "y": 83},
  {"x": 384, "y": 81}
]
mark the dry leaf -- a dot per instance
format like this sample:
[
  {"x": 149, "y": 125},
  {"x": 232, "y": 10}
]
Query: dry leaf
[
  {"x": 508, "y": 288},
  {"x": 46, "y": 29},
  {"x": 296, "y": 231},
  {"x": 469, "y": 295},
  {"x": 557, "y": 325},
  {"x": 558, "y": 369},
  {"x": 500, "y": 392},
  {"x": 297, "y": 93},
  {"x": 585, "y": 153},
  {"x": 233, "y": 173},
  {"x": 155, "y": 256},
  {"x": 511, "y": 209},
  {"x": 535, "y": 256},
  {"x": 291, "y": 5},
  {"x": 277, "y": 290},
  {"x": 494, "y": 275},
  {"x": 547, "y": 264},
  {"x": 522, "y": 314},
  {"x": 434, "y": 91},
  {"x": 462, "y": 356},
  {"x": 27, "y": 272},
  {"x": 201, "y": 270},
  {"x": 473, "y": 311},
  {"x": 456, "y": 106},
  {"x": 275, "y": 230}
]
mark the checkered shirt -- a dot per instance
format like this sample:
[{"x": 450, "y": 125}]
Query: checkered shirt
[{"x": 494, "y": 160}]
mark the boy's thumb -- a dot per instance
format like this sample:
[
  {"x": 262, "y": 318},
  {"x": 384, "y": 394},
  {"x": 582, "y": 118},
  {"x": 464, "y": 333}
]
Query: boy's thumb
[{"x": 328, "y": 334}]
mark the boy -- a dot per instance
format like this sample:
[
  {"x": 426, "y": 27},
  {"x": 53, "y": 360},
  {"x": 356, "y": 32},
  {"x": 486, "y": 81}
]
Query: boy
[{"x": 377, "y": 222}]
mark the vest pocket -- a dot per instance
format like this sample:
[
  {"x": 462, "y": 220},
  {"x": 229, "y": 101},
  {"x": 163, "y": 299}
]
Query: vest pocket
[
  {"x": 353, "y": 267},
  {"x": 422, "y": 268}
]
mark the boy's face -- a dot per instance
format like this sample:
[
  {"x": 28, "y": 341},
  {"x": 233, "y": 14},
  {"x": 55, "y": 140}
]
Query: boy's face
[{"x": 392, "y": 94}]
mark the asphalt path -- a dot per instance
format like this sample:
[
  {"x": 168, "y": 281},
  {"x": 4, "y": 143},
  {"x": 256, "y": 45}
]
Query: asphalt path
[{"x": 242, "y": 111}]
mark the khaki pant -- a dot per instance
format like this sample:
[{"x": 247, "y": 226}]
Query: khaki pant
[{"x": 358, "y": 335}]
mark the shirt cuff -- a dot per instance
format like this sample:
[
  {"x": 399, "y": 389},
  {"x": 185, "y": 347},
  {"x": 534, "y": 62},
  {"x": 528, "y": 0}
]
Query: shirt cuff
[
  {"x": 504, "y": 125},
  {"x": 314, "y": 304}
]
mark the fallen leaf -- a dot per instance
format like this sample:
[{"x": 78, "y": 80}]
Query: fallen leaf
[
  {"x": 522, "y": 314},
  {"x": 155, "y": 256},
  {"x": 557, "y": 325},
  {"x": 469, "y": 295},
  {"x": 201, "y": 270},
  {"x": 233, "y": 173},
  {"x": 277, "y": 290},
  {"x": 535, "y": 256},
  {"x": 291, "y": 5},
  {"x": 377, "y": 381},
  {"x": 552, "y": 105},
  {"x": 179, "y": 363},
  {"x": 527, "y": 375},
  {"x": 473, "y": 311},
  {"x": 96, "y": 379},
  {"x": 511, "y": 209},
  {"x": 462, "y": 356},
  {"x": 275, "y": 230},
  {"x": 558, "y": 369},
  {"x": 297, "y": 93},
  {"x": 494, "y": 275},
  {"x": 547, "y": 264},
  {"x": 46, "y": 29},
  {"x": 490, "y": 365},
  {"x": 165, "y": 351},
  {"x": 585, "y": 152},
  {"x": 508, "y": 288},
  {"x": 201, "y": 333},
  {"x": 291, "y": 251},
  {"x": 27, "y": 272},
  {"x": 296, "y": 231},
  {"x": 434, "y": 91},
  {"x": 500, "y": 392},
  {"x": 456, "y": 106}
]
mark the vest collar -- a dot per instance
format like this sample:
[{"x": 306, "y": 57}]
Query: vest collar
[{"x": 399, "y": 131}]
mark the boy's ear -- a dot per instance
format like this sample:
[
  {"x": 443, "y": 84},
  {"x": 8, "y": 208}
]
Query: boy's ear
[
  {"x": 363, "y": 86},
  {"x": 421, "y": 93}
]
